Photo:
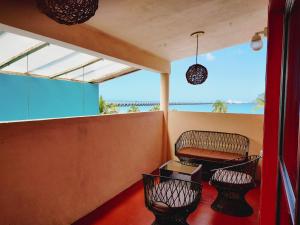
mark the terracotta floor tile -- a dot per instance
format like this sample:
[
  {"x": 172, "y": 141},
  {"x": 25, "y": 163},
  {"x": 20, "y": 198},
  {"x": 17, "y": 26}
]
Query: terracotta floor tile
[{"x": 128, "y": 209}]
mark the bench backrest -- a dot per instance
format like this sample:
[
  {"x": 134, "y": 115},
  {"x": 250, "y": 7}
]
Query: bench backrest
[{"x": 215, "y": 141}]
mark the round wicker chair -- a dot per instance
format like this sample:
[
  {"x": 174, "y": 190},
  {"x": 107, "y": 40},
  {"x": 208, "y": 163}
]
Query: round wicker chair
[
  {"x": 170, "y": 200},
  {"x": 232, "y": 183}
]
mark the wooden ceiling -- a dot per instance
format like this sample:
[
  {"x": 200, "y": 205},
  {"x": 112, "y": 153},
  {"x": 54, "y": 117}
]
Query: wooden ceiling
[{"x": 163, "y": 27}]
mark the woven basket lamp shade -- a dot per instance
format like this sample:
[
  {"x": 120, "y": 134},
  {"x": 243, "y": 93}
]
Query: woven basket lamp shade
[
  {"x": 68, "y": 12},
  {"x": 196, "y": 74}
]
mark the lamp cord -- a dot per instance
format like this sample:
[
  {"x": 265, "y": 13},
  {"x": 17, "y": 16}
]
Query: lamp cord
[
  {"x": 197, "y": 51},
  {"x": 28, "y": 86},
  {"x": 83, "y": 90}
]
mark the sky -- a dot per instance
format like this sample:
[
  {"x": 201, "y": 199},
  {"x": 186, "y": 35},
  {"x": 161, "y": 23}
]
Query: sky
[{"x": 235, "y": 74}]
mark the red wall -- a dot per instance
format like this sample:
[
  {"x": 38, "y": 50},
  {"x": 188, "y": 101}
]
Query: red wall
[{"x": 269, "y": 171}]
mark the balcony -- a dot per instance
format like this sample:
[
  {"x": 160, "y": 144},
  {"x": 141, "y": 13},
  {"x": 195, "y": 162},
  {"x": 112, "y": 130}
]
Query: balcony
[
  {"x": 87, "y": 170},
  {"x": 76, "y": 165}
]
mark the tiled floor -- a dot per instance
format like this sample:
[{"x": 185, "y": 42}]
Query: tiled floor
[{"x": 128, "y": 209}]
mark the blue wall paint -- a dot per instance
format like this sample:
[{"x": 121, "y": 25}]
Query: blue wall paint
[{"x": 23, "y": 98}]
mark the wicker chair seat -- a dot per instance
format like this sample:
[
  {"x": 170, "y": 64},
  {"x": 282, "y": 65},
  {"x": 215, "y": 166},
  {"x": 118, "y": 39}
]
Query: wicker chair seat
[
  {"x": 171, "y": 195},
  {"x": 198, "y": 153},
  {"x": 171, "y": 200},
  {"x": 232, "y": 177}
]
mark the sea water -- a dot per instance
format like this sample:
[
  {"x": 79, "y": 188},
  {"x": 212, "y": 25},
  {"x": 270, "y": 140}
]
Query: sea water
[{"x": 243, "y": 108}]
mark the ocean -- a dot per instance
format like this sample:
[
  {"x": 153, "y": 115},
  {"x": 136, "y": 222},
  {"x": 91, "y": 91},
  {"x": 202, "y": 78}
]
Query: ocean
[{"x": 243, "y": 108}]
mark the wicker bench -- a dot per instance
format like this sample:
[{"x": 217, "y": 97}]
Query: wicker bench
[{"x": 209, "y": 148}]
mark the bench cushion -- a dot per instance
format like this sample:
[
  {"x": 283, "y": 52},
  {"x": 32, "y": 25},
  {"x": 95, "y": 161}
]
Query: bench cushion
[{"x": 198, "y": 153}]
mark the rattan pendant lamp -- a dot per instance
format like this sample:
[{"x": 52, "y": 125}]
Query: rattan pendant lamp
[
  {"x": 196, "y": 74},
  {"x": 68, "y": 12}
]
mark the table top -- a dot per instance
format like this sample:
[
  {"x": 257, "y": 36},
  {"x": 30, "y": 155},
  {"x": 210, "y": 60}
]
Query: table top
[{"x": 177, "y": 166}]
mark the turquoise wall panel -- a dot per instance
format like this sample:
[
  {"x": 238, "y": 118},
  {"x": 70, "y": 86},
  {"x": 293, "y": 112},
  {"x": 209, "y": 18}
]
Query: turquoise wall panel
[{"x": 23, "y": 98}]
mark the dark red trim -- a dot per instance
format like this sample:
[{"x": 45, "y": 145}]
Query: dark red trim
[
  {"x": 288, "y": 183},
  {"x": 292, "y": 97},
  {"x": 271, "y": 121},
  {"x": 296, "y": 26}
]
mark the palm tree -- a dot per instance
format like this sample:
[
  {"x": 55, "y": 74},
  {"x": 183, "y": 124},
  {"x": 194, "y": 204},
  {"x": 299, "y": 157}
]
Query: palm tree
[
  {"x": 133, "y": 108},
  {"x": 154, "y": 108},
  {"x": 260, "y": 101},
  {"x": 107, "y": 108},
  {"x": 101, "y": 104},
  {"x": 219, "y": 106},
  {"x": 110, "y": 108}
]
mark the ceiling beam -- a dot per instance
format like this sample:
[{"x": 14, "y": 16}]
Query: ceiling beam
[
  {"x": 103, "y": 79},
  {"x": 23, "y": 55},
  {"x": 115, "y": 75},
  {"x": 29, "y": 21},
  {"x": 2, "y": 72},
  {"x": 33, "y": 75},
  {"x": 75, "y": 68}
]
